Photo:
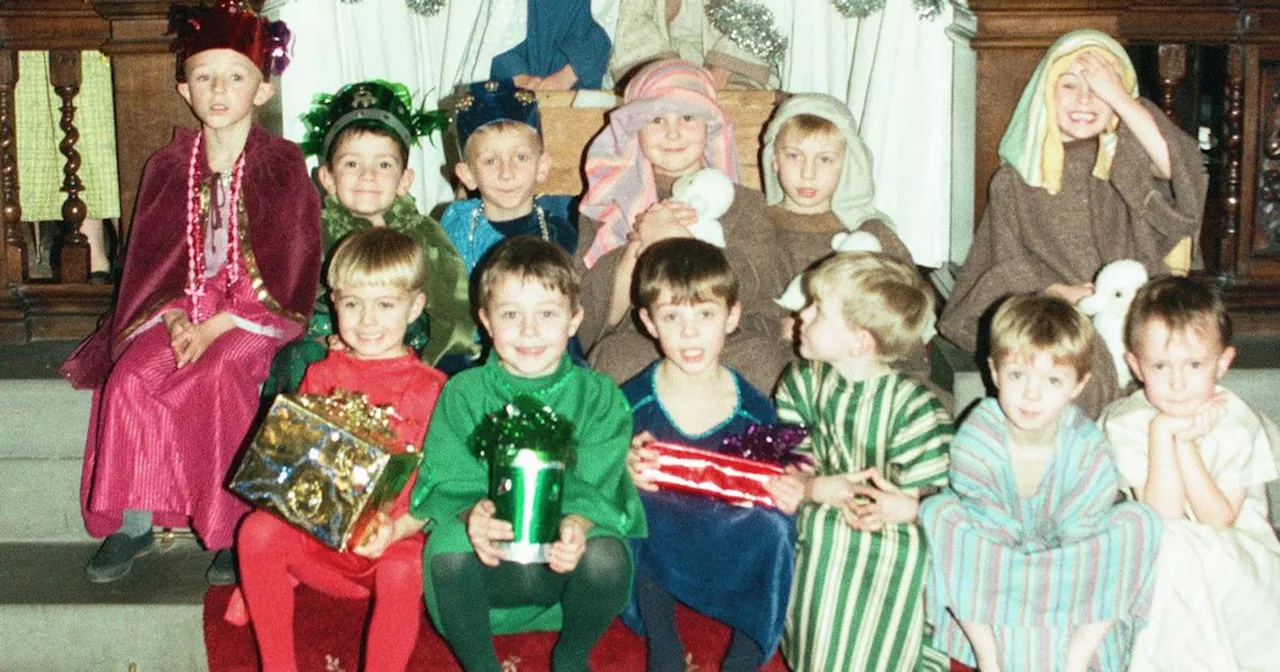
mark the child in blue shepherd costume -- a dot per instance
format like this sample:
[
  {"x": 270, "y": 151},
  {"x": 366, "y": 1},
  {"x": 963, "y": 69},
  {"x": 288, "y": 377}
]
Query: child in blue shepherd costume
[
  {"x": 503, "y": 160},
  {"x": 689, "y": 303}
]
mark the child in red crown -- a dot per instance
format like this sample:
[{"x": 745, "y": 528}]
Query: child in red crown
[{"x": 220, "y": 272}]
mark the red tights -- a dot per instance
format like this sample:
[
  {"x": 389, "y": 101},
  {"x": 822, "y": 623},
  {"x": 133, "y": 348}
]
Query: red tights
[{"x": 275, "y": 556}]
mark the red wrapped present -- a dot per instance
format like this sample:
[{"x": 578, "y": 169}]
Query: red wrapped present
[{"x": 734, "y": 479}]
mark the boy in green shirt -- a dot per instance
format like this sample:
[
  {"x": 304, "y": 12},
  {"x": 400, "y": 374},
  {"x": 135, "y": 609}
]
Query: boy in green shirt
[{"x": 528, "y": 296}]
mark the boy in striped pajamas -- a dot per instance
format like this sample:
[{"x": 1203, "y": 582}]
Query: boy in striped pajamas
[
  {"x": 879, "y": 441},
  {"x": 1034, "y": 565}
]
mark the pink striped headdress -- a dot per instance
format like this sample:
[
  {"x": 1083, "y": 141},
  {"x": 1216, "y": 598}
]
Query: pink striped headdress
[{"x": 619, "y": 177}]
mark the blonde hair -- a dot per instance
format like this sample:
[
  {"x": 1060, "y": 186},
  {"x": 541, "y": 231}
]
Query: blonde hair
[
  {"x": 378, "y": 256},
  {"x": 1032, "y": 323},
  {"x": 498, "y": 127},
  {"x": 805, "y": 125},
  {"x": 878, "y": 293},
  {"x": 689, "y": 269}
]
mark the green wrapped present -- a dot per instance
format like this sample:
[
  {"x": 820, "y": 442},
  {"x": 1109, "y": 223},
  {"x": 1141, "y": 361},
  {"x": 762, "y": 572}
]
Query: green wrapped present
[
  {"x": 528, "y": 448},
  {"x": 326, "y": 464}
]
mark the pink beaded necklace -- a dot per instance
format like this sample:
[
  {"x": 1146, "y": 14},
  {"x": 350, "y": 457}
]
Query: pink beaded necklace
[{"x": 195, "y": 229}]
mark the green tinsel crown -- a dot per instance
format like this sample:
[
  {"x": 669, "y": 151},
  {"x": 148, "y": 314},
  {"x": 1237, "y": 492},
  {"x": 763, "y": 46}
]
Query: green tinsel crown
[
  {"x": 525, "y": 422},
  {"x": 373, "y": 103}
]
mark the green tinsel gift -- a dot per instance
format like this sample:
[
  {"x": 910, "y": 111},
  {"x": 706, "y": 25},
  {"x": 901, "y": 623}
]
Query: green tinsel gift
[{"x": 528, "y": 447}]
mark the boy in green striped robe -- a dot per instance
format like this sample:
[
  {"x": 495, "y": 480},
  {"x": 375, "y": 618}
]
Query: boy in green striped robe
[{"x": 879, "y": 442}]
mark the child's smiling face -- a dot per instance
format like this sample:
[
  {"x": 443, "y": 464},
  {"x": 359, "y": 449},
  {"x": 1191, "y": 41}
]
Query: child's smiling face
[
  {"x": 372, "y": 319},
  {"x": 1079, "y": 112},
  {"x": 1179, "y": 370},
  {"x": 530, "y": 325},
  {"x": 505, "y": 165},
  {"x": 674, "y": 143},
  {"x": 366, "y": 174},
  {"x": 808, "y": 170}
]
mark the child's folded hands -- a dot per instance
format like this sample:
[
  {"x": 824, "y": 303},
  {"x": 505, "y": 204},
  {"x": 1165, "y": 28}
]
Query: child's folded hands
[
  {"x": 565, "y": 552},
  {"x": 664, "y": 219},
  {"x": 878, "y": 504},
  {"x": 1188, "y": 430},
  {"x": 484, "y": 529}
]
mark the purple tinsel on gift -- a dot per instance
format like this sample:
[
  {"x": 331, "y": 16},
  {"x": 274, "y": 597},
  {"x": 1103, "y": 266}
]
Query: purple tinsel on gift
[{"x": 775, "y": 444}]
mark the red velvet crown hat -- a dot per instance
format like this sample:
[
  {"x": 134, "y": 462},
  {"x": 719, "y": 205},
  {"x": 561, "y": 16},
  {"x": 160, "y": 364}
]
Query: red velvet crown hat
[{"x": 228, "y": 24}]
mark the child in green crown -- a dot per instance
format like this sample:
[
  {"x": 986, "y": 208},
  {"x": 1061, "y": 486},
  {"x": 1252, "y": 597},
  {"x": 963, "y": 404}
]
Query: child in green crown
[{"x": 362, "y": 135}]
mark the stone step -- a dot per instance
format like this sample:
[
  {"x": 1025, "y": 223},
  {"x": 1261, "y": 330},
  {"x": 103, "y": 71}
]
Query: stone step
[
  {"x": 54, "y": 620},
  {"x": 43, "y": 423},
  {"x": 42, "y": 419},
  {"x": 40, "y": 501}
]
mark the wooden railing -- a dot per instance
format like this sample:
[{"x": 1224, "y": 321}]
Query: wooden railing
[{"x": 132, "y": 33}]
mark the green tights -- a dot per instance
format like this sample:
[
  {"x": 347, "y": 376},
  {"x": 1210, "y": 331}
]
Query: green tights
[{"x": 590, "y": 597}]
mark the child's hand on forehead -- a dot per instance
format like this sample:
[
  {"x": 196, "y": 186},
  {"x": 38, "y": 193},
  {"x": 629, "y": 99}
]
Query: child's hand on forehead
[{"x": 1101, "y": 76}]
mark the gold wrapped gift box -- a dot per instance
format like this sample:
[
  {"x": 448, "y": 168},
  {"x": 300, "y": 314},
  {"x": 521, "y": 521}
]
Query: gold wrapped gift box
[{"x": 326, "y": 464}]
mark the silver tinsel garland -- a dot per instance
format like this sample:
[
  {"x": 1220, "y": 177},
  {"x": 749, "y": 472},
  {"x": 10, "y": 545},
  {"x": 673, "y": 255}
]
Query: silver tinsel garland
[
  {"x": 860, "y": 8},
  {"x": 749, "y": 25},
  {"x": 421, "y": 7}
]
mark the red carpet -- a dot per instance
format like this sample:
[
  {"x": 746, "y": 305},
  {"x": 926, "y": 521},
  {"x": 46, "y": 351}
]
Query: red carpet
[{"x": 328, "y": 638}]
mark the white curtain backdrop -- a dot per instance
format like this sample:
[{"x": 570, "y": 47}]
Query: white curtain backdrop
[{"x": 892, "y": 68}]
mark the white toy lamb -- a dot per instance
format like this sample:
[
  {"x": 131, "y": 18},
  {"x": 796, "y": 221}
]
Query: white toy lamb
[
  {"x": 710, "y": 193},
  {"x": 792, "y": 297},
  {"x": 1113, "y": 291}
]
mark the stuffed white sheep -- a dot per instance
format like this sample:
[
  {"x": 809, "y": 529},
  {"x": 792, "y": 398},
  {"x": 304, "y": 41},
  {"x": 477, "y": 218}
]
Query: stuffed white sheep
[
  {"x": 792, "y": 297},
  {"x": 710, "y": 193},
  {"x": 1113, "y": 291}
]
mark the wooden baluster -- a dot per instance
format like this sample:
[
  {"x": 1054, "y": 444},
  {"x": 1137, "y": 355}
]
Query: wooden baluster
[
  {"x": 1233, "y": 101},
  {"x": 1267, "y": 211},
  {"x": 14, "y": 269},
  {"x": 1173, "y": 69},
  {"x": 64, "y": 74}
]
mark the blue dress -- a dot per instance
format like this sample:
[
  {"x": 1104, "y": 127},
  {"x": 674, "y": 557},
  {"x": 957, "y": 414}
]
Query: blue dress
[
  {"x": 473, "y": 235},
  {"x": 558, "y": 32},
  {"x": 691, "y": 538}
]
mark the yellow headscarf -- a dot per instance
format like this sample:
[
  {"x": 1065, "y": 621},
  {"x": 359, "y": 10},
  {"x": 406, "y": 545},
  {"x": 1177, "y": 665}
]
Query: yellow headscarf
[{"x": 1032, "y": 143}]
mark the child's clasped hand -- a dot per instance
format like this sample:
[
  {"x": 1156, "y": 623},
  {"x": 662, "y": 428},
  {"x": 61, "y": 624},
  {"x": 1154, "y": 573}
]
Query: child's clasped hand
[{"x": 484, "y": 530}]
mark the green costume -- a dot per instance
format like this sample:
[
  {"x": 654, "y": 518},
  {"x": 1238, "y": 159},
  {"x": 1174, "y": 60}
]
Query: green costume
[
  {"x": 446, "y": 326},
  {"x": 597, "y": 487}
]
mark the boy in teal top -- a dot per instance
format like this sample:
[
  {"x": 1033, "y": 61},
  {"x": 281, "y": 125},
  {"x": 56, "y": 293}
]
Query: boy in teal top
[
  {"x": 362, "y": 135},
  {"x": 528, "y": 296}
]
